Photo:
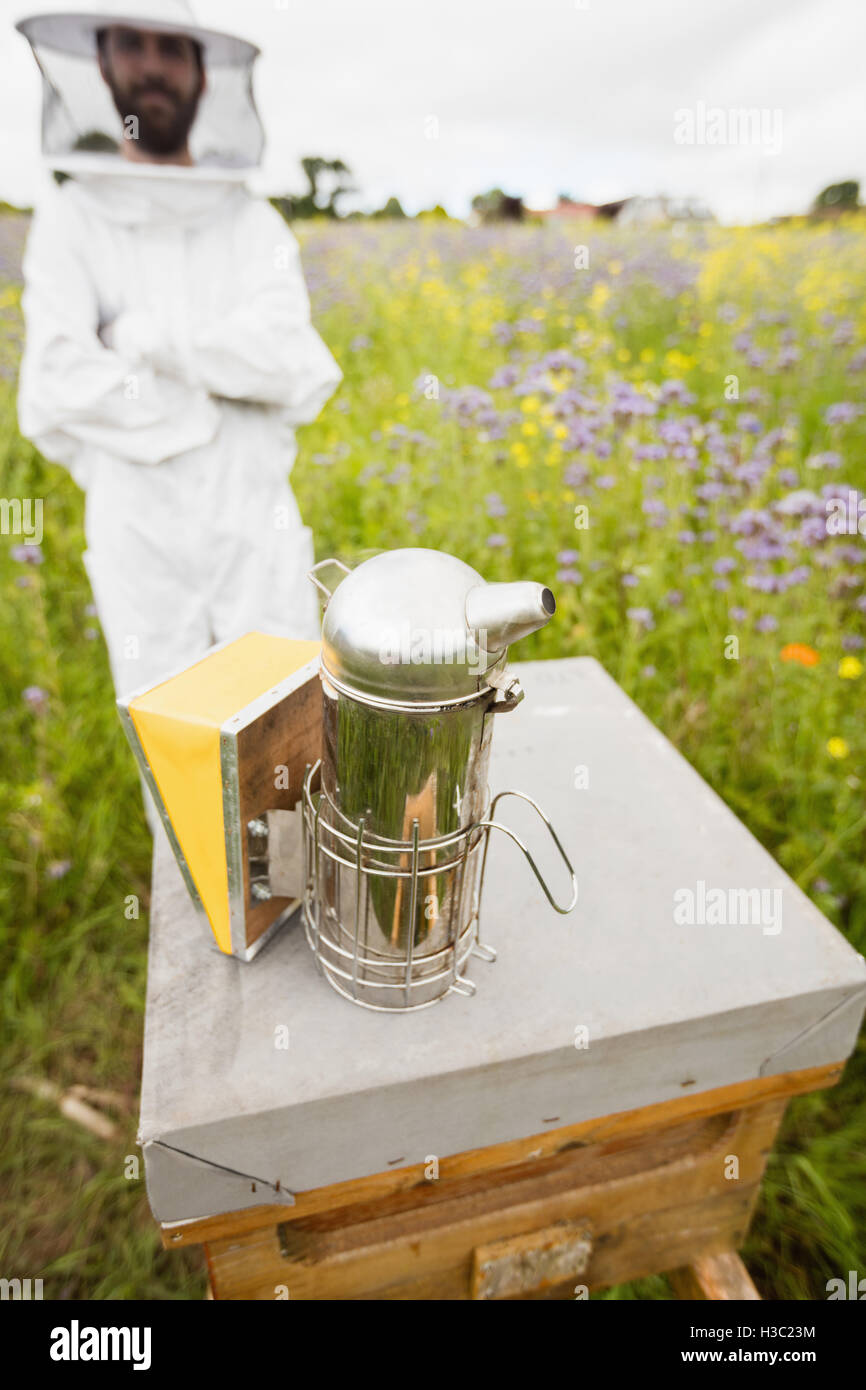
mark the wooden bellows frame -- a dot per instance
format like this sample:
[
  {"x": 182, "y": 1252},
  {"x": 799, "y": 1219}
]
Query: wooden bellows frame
[{"x": 223, "y": 746}]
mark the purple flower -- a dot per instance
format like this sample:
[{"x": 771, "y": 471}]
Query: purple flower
[
  {"x": 798, "y": 575},
  {"x": 59, "y": 868},
  {"x": 767, "y": 624},
  {"x": 496, "y": 541},
  {"x": 28, "y": 554},
  {"x": 766, "y": 583},
  {"x": 708, "y": 492},
  {"x": 567, "y": 557},
  {"x": 842, "y": 413},
  {"x": 630, "y": 581},
  {"x": 495, "y": 505},
  {"x": 853, "y": 642},
  {"x": 35, "y": 697},
  {"x": 505, "y": 377},
  {"x": 686, "y": 537},
  {"x": 569, "y": 576},
  {"x": 738, "y": 614},
  {"x": 749, "y": 423},
  {"x": 803, "y": 502},
  {"x": 674, "y": 599},
  {"x": 722, "y": 585},
  {"x": 605, "y": 481},
  {"x": 642, "y": 617},
  {"x": 648, "y": 672},
  {"x": 724, "y": 565},
  {"x": 575, "y": 475},
  {"x": 675, "y": 392}
]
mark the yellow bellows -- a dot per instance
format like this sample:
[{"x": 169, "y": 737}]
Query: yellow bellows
[{"x": 178, "y": 725}]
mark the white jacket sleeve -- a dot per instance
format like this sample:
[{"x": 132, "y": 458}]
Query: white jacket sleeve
[
  {"x": 265, "y": 349},
  {"x": 74, "y": 393}
]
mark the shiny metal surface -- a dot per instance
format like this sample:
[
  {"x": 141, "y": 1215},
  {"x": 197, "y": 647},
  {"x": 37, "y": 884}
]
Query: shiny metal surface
[
  {"x": 396, "y": 627},
  {"x": 392, "y": 766},
  {"x": 414, "y": 646},
  {"x": 392, "y": 924}
]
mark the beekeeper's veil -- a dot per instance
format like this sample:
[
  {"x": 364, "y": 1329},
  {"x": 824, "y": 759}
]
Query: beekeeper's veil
[{"x": 81, "y": 127}]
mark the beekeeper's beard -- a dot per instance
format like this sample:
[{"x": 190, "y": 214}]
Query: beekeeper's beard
[{"x": 159, "y": 133}]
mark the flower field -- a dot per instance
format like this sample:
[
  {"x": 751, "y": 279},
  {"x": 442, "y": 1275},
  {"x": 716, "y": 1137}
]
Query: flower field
[{"x": 670, "y": 431}]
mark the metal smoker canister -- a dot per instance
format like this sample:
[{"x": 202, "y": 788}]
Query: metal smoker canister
[{"x": 414, "y": 644}]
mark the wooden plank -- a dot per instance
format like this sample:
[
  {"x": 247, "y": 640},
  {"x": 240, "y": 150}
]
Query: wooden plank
[
  {"x": 288, "y": 734},
  {"x": 504, "y": 1156},
  {"x": 717, "y": 1277},
  {"x": 644, "y": 1217}
]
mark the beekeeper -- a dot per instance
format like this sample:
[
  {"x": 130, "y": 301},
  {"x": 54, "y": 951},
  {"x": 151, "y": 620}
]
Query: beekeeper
[{"x": 169, "y": 351}]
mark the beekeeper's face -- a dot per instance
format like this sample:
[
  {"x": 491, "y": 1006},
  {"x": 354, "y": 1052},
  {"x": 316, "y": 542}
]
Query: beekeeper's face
[{"x": 156, "y": 79}]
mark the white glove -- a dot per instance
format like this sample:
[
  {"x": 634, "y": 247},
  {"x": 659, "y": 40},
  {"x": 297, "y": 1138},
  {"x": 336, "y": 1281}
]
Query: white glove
[{"x": 138, "y": 337}]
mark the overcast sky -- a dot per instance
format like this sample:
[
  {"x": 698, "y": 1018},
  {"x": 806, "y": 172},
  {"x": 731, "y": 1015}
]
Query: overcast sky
[{"x": 537, "y": 98}]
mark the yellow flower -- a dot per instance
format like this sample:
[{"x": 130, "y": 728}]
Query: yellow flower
[
  {"x": 647, "y": 355},
  {"x": 850, "y": 668},
  {"x": 529, "y": 427},
  {"x": 614, "y": 268},
  {"x": 561, "y": 432},
  {"x": 837, "y": 748},
  {"x": 623, "y": 355},
  {"x": 530, "y": 405}
]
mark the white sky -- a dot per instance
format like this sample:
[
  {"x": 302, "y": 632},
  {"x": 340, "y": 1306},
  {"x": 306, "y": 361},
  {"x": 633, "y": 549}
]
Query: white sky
[{"x": 572, "y": 95}]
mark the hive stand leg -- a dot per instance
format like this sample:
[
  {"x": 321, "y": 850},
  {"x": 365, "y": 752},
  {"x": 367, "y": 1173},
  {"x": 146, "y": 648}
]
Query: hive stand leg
[{"x": 715, "y": 1277}]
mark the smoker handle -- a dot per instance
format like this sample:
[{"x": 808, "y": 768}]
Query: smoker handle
[
  {"x": 497, "y": 825},
  {"x": 311, "y": 575}
]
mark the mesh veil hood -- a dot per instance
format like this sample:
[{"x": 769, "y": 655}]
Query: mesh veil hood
[{"x": 81, "y": 128}]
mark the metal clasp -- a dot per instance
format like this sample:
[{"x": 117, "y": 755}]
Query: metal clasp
[{"x": 509, "y": 686}]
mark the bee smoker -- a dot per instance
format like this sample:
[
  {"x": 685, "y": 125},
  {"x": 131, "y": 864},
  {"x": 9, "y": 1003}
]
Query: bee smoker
[{"x": 397, "y": 811}]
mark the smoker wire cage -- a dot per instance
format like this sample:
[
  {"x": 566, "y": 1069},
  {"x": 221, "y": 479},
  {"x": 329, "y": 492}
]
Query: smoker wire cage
[{"x": 392, "y": 923}]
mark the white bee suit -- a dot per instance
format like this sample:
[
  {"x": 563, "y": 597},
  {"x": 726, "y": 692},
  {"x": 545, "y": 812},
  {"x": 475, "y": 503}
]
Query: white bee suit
[{"x": 169, "y": 356}]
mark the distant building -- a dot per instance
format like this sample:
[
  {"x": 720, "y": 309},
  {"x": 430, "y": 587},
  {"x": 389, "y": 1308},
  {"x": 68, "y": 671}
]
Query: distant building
[
  {"x": 566, "y": 210},
  {"x": 658, "y": 211}
]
